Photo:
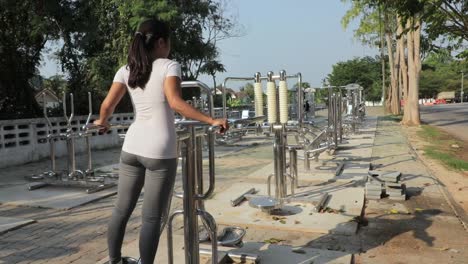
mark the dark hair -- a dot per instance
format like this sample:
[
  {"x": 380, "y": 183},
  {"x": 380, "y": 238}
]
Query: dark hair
[{"x": 140, "y": 61}]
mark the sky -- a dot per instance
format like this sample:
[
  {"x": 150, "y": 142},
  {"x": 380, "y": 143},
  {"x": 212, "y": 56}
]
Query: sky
[{"x": 303, "y": 36}]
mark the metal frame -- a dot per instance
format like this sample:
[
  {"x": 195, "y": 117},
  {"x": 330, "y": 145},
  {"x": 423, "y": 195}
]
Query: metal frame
[
  {"x": 190, "y": 141},
  {"x": 74, "y": 177}
]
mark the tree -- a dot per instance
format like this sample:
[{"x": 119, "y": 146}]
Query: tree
[
  {"x": 450, "y": 20},
  {"x": 408, "y": 13},
  {"x": 363, "y": 71},
  {"x": 440, "y": 72},
  {"x": 92, "y": 53},
  {"x": 378, "y": 26},
  {"x": 57, "y": 84},
  {"x": 211, "y": 68},
  {"x": 26, "y": 27},
  {"x": 248, "y": 89},
  {"x": 199, "y": 26}
]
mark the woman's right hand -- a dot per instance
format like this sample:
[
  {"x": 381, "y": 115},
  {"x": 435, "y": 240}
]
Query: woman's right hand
[
  {"x": 222, "y": 123},
  {"x": 103, "y": 125}
]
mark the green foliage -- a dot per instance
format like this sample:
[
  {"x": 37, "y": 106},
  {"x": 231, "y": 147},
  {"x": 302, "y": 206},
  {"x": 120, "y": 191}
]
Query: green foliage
[
  {"x": 364, "y": 71},
  {"x": 441, "y": 72},
  {"x": 57, "y": 84},
  {"x": 249, "y": 90},
  {"x": 218, "y": 100},
  {"x": 96, "y": 35},
  {"x": 235, "y": 103},
  {"x": 445, "y": 22},
  {"x": 25, "y": 28},
  {"x": 303, "y": 84},
  {"x": 369, "y": 28}
]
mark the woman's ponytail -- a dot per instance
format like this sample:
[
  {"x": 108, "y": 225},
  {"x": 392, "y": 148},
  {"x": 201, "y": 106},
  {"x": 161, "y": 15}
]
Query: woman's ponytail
[{"x": 140, "y": 60}]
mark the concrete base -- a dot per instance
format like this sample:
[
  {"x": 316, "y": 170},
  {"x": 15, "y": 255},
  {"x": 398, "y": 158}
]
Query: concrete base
[
  {"x": 301, "y": 217},
  {"x": 10, "y": 223},
  {"x": 268, "y": 253},
  {"x": 51, "y": 197},
  {"x": 278, "y": 254}
]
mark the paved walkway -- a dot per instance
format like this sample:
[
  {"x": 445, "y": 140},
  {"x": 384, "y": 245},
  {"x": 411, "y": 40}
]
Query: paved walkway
[
  {"x": 420, "y": 230},
  {"x": 79, "y": 235}
]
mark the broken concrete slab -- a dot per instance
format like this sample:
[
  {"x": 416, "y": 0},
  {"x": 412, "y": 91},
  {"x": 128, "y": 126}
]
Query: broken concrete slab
[
  {"x": 11, "y": 223},
  {"x": 386, "y": 176},
  {"x": 373, "y": 194},
  {"x": 62, "y": 198}
]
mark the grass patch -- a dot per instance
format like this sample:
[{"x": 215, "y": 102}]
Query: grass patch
[
  {"x": 447, "y": 158},
  {"x": 429, "y": 132},
  {"x": 394, "y": 118},
  {"x": 441, "y": 149}
]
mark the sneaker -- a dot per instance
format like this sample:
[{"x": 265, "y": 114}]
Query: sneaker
[{"x": 129, "y": 260}]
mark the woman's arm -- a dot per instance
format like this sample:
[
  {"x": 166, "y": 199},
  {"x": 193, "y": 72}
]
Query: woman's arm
[
  {"x": 115, "y": 94},
  {"x": 173, "y": 93}
]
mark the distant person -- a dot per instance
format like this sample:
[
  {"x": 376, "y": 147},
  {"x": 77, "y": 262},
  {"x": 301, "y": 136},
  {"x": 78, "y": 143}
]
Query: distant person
[
  {"x": 149, "y": 155},
  {"x": 306, "y": 109}
]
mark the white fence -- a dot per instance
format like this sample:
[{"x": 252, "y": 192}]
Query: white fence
[{"x": 25, "y": 140}]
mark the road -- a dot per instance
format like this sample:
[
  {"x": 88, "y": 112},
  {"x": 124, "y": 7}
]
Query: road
[{"x": 452, "y": 118}]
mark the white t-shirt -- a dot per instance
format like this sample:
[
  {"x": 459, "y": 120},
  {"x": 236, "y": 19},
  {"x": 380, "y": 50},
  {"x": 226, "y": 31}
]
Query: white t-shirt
[{"x": 152, "y": 134}]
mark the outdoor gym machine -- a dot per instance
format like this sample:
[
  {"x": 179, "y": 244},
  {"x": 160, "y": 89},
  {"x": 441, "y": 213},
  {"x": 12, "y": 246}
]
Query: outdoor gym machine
[
  {"x": 190, "y": 136},
  {"x": 73, "y": 177}
]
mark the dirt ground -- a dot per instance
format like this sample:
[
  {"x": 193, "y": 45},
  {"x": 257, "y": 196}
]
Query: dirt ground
[
  {"x": 427, "y": 227},
  {"x": 456, "y": 182}
]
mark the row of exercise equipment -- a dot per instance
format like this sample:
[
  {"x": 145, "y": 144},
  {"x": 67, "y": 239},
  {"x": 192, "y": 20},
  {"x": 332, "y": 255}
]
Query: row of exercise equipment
[
  {"x": 192, "y": 173},
  {"x": 344, "y": 113},
  {"x": 72, "y": 177}
]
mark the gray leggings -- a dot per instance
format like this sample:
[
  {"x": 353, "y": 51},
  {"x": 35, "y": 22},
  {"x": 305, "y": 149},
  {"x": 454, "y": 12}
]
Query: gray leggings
[{"x": 158, "y": 176}]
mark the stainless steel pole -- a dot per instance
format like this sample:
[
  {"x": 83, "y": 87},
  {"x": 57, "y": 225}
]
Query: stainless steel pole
[
  {"x": 293, "y": 167},
  {"x": 335, "y": 120},
  {"x": 340, "y": 117},
  {"x": 192, "y": 255},
  {"x": 461, "y": 93},
  {"x": 50, "y": 137},
  {"x": 280, "y": 183},
  {"x": 89, "y": 171},
  {"x": 300, "y": 100}
]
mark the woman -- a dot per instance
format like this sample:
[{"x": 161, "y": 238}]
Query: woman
[{"x": 149, "y": 154}]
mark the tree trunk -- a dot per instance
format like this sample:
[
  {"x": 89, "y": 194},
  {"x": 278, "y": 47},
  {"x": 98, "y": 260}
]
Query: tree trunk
[
  {"x": 382, "y": 59},
  {"x": 395, "y": 103},
  {"x": 403, "y": 66},
  {"x": 411, "y": 113},
  {"x": 393, "y": 62}
]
